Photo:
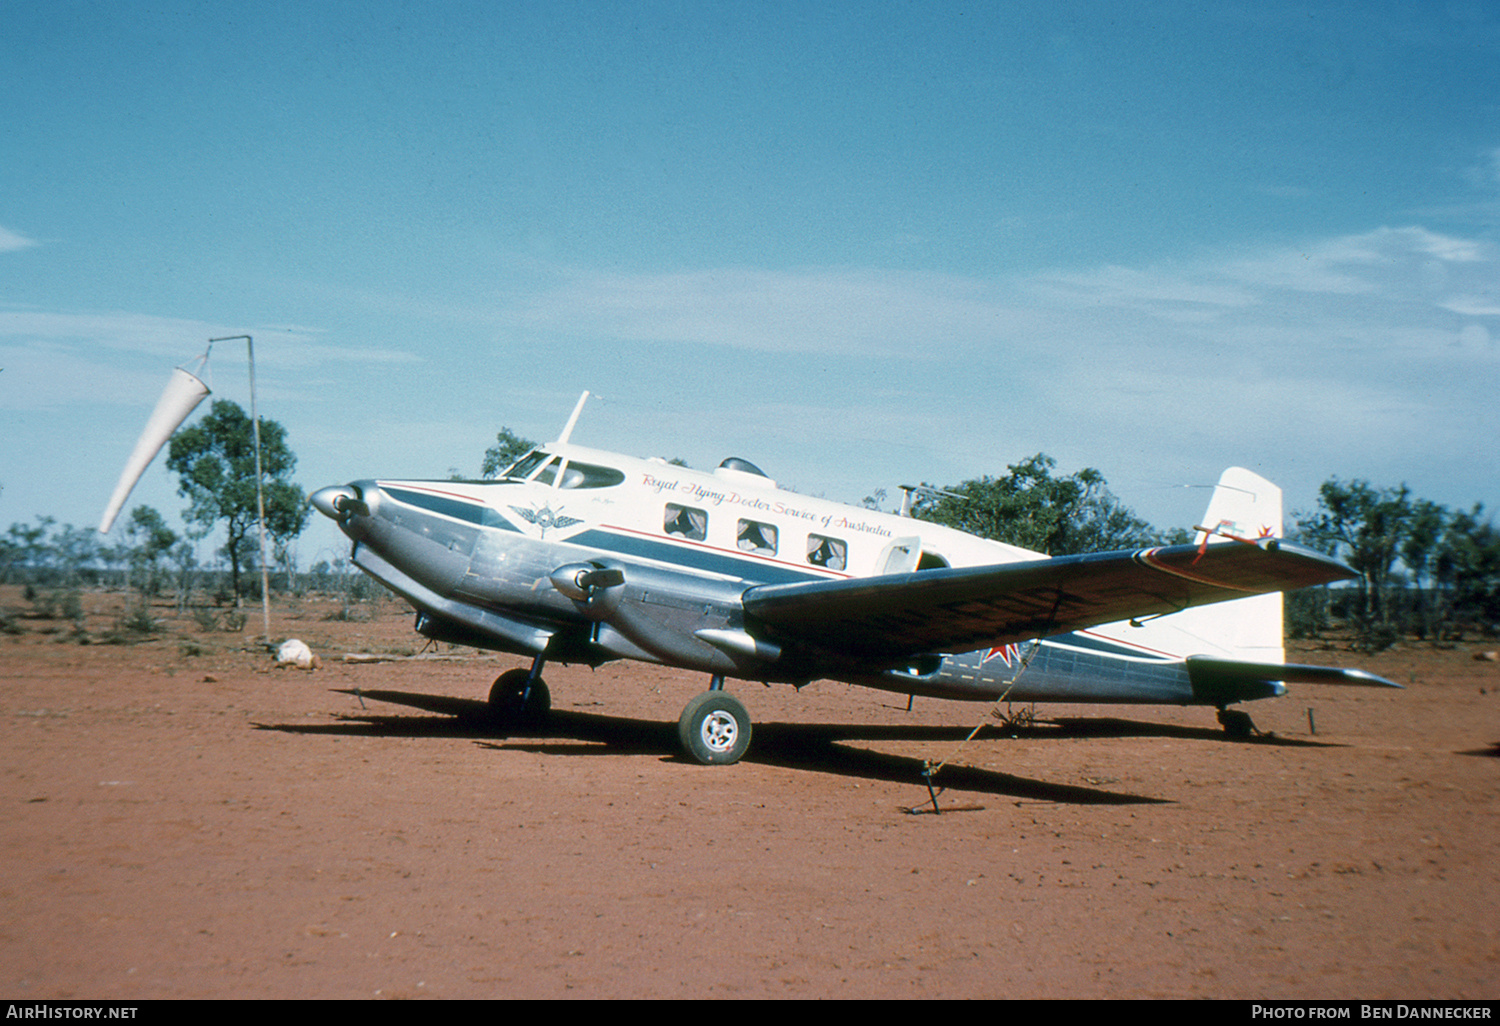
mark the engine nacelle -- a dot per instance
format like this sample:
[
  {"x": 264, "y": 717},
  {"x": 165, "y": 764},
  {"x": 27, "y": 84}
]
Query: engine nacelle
[{"x": 596, "y": 590}]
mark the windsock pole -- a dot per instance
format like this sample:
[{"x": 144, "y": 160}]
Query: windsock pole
[{"x": 260, "y": 494}]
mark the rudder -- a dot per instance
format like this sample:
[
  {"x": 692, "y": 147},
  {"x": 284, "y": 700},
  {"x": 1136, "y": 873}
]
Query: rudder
[{"x": 1245, "y": 507}]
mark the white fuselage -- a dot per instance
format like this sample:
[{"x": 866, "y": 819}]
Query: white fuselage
[
  {"x": 726, "y": 530},
  {"x": 719, "y": 518}
]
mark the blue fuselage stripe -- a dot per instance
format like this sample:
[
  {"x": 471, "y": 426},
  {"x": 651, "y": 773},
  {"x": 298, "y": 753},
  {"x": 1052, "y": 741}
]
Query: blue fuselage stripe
[{"x": 753, "y": 571}]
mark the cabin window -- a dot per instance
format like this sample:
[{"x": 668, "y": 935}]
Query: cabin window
[
  {"x": 686, "y": 522},
  {"x": 587, "y": 475},
  {"x": 753, "y": 536},
  {"x": 827, "y": 552}
]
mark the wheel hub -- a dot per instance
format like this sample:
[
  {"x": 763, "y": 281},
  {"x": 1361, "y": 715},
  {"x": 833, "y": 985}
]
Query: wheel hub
[{"x": 720, "y": 731}]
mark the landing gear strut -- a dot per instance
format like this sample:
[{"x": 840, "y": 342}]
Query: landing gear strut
[
  {"x": 715, "y": 727},
  {"x": 521, "y": 695}
]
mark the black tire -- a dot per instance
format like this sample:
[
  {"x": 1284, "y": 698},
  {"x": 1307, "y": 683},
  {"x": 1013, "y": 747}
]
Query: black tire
[
  {"x": 715, "y": 729},
  {"x": 1236, "y": 724},
  {"x": 510, "y": 701}
]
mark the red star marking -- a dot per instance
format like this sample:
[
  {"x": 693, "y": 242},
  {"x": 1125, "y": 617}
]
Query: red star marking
[{"x": 1007, "y": 653}]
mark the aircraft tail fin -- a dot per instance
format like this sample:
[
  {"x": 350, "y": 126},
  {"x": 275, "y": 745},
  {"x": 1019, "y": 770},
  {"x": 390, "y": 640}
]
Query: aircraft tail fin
[{"x": 1245, "y": 507}]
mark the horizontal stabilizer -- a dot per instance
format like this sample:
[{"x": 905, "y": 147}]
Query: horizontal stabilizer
[{"x": 1233, "y": 680}]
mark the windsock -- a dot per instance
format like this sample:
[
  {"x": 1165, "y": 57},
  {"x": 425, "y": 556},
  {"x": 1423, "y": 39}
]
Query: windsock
[{"x": 184, "y": 393}]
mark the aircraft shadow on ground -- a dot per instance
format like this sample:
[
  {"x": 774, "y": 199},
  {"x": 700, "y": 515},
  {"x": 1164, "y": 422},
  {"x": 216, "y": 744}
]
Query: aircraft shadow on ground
[{"x": 820, "y": 748}]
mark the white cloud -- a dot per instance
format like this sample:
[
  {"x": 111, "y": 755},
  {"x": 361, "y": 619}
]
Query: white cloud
[
  {"x": 864, "y": 312},
  {"x": 1475, "y": 338},
  {"x": 1473, "y": 306},
  {"x": 1172, "y": 292},
  {"x": 168, "y": 337},
  {"x": 1379, "y": 289},
  {"x": 178, "y": 339},
  {"x": 1487, "y": 174},
  {"x": 44, "y": 375},
  {"x": 9, "y": 241},
  {"x": 1353, "y": 355}
]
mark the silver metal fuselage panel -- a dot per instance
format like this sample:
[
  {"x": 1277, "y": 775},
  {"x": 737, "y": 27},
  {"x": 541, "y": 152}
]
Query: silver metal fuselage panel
[{"x": 479, "y": 575}]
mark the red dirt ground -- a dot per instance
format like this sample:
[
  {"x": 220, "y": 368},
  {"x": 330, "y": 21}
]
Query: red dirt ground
[{"x": 184, "y": 820}]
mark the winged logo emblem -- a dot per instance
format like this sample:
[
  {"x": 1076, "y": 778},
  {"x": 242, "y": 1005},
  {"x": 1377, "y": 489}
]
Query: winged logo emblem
[{"x": 546, "y": 518}]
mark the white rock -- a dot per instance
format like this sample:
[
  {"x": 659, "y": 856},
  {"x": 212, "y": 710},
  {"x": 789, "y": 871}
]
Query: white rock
[{"x": 296, "y": 653}]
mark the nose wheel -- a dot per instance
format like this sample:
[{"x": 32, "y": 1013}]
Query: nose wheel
[{"x": 714, "y": 729}]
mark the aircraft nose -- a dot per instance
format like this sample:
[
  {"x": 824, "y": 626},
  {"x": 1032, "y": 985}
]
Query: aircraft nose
[{"x": 338, "y": 502}]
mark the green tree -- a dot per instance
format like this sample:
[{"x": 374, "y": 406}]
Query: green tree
[
  {"x": 1032, "y": 508},
  {"x": 185, "y": 562},
  {"x": 1468, "y": 565},
  {"x": 508, "y": 448},
  {"x": 25, "y": 550},
  {"x": 1420, "y": 549},
  {"x": 215, "y": 464},
  {"x": 1365, "y": 527},
  {"x": 287, "y": 513},
  {"x": 149, "y": 540},
  {"x": 74, "y": 549}
]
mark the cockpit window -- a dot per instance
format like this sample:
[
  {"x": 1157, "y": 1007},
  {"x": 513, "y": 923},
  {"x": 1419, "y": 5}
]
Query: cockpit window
[
  {"x": 587, "y": 475},
  {"x": 573, "y": 474},
  {"x": 526, "y": 465}
]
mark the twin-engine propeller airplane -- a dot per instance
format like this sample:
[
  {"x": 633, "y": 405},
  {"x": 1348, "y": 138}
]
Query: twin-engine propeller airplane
[{"x": 579, "y": 556}]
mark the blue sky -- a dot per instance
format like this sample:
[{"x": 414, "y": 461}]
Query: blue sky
[{"x": 859, "y": 244}]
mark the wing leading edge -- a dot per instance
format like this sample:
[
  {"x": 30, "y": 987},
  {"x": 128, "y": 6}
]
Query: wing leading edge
[{"x": 965, "y": 608}]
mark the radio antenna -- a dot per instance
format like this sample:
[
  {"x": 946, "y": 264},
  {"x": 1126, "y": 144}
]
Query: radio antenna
[{"x": 567, "y": 431}]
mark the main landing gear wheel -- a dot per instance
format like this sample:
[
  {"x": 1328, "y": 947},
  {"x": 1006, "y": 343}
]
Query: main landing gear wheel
[
  {"x": 510, "y": 700},
  {"x": 1236, "y": 724},
  {"x": 715, "y": 729}
]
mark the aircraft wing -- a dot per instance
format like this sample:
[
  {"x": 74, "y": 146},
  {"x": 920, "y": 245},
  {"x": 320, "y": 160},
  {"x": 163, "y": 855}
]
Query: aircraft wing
[{"x": 965, "y": 608}]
